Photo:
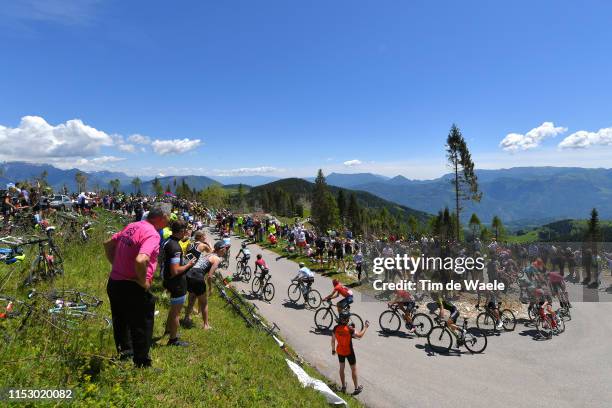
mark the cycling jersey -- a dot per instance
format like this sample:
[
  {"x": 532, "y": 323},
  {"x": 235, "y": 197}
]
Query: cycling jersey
[
  {"x": 344, "y": 339},
  {"x": 343, "y": 290},
  {"x": 445, "y": 304},
  {"x": 305, "y": 273}
]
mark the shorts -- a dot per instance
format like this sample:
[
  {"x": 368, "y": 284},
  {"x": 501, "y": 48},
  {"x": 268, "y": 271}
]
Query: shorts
[
  {"x": 330, "y": 254},
  {"x": 408, "y": 304},
  {"x": 454, "y": 315},
  {"x": 351, "y": 358},
  {"x": 196, "y": 286},
  {"x": 177, "y": 288},
  {"x": 339, "y": 255},
  {"x": 345, "y": 302},
  {"x": 301, "y": 244},
  {"x": 492, "y": 305}
]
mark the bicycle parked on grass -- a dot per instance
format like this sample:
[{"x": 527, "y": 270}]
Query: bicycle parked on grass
[
  {"x": 298, "y": 289},
  {"x": 262, "y": 287},
  {"x": 48, "y": 262},
  {"x": 390, "y": 321},
  {"x": 486, "y": 320},
  {"x": 441, "y": 338},
  {"x": 64, "y": 310},
  {"x": 325, "y": 316}
]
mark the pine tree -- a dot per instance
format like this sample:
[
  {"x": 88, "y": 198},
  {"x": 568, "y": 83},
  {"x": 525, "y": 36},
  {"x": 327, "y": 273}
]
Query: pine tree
[
  {"x": 497, "y": 226},
  {"x": 474, "y": 225},
  {"x": 341, "y": 206},
  {"x": 465, "y": 181},
  {"x": 324, "y": 209}
]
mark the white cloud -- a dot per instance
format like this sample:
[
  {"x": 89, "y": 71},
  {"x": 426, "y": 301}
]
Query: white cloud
[
  {"x": 35, "y": 139},
  {"x": 139, "y": 139},
  {"x": 584, "y": 139},
  {"x": 514, "y": 142},
  {"x": 126, "y": 147},
  {"x": 175, "y": 146},
  {"x": 352, "y": 163},
  {"x": 247, "y": 170}
]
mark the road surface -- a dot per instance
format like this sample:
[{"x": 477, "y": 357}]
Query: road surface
[{"x": 569, "y": 370}]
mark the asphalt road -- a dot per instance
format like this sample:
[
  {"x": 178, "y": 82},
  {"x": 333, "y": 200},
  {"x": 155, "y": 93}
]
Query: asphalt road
[{"x": 569, "y": 370}]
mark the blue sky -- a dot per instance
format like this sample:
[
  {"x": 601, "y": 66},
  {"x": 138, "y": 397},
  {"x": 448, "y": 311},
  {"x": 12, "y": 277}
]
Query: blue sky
[{"x": 285, "y": 87}]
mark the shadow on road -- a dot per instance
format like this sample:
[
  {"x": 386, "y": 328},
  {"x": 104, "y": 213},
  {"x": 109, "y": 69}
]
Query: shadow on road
[
  {"x": 320, "y": 332},
  {"x": 534, "y": 334},
  {"x": 399, "y": 333},
  {"x": 430, "y": 351},
  {"x": 291, "y": 305}
]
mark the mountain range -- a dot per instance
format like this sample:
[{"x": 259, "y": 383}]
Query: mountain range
[{"x": 520, "y": 196}]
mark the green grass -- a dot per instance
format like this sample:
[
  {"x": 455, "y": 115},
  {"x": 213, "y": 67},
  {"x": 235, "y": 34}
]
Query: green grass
[{"x": 228, "y": 366}]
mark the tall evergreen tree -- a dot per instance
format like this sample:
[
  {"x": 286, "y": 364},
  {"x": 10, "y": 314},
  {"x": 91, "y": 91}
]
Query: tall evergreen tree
[
  {"x": 464, "y": 181},
  {"x": 497, "y": 226},
  {"x": 157, "y": 187},
  {"x": 474, "y": 225},
  {"x": 341, "y": 205},
  {"x": 136, "y": 182},
  {"x": 324, "y": 209}
]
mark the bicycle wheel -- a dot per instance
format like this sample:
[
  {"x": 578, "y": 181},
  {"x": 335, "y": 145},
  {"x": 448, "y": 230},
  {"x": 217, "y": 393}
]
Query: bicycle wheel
[
  {"x": 389, "y": 321},
  {"x": 256, "y": 285},
  {"x": 532, "y": 312},
  {"x": 439, "y": 339},
  {"x": 37, "y": 269},
  {"x": 313, "y": 299},
  {"x": 508, "y": 319},
  {"x": 246, "y": 273},
  {"x": 294, "y": 292},
  {"x": 268, "y": 292},
  {"x": 560, "y": 325},
  {"x": 422, "y": 324},
  {"x": 323, "y": 318},
  {"x": 485, "y": 321},
  {"x": 543, "y": 327},
  {"x": 356, "y": 321},
  {"x": 475, "y": 340}
]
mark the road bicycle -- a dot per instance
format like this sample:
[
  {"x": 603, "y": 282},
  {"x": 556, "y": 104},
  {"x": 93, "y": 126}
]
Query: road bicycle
[
  {"x": 390, "y": 321},
  {"x": 48, "y": 262},
  {"x": 64, "y": 310},
  {"x": 549, "y": 324},
  {"x": 441, "y": 337},
  {"x": 486, "y": 320},
  {"x": 243, "y": 270},
  {"x": 298, "y": 289},
  {"x": 262, "y": 287},
  {"x": 325, "y": 316}
]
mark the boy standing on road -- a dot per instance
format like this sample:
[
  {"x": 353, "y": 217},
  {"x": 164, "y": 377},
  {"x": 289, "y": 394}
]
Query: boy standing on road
[{"x": 343, "y": 335}]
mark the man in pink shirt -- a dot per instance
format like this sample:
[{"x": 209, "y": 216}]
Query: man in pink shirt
[{"x": 133, "y": 254}]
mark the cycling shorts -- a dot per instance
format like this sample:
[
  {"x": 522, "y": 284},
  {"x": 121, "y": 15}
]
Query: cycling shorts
[
  {"x": 454, "y": 315},
  {"x": 196, "y": 286},
  {"x": 345, "y": 302},
  {"x": 351, "y": 358}
]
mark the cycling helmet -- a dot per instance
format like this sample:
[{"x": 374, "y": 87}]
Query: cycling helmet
[
  {"x": 243, "y": 245},
  {"x": 301, "y": 264},
  {"x": 258, "y": 256},
  {"x": 335, "y": 282},
  {"x": 344, "y": 316}
]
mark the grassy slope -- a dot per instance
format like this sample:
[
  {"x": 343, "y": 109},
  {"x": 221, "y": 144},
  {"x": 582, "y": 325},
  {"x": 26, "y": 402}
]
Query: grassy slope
[{"x": 228, "y": 366}]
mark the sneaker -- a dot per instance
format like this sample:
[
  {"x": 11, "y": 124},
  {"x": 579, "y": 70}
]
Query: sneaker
[
  {"x": 187, "y": 324},
  {"x": 358, "y": 390},
  {"x": 500, "y": 325},
  {"x": 177, "y": 342}
]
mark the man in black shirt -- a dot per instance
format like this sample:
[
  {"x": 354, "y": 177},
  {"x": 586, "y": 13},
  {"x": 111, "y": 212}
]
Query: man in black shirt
[{"x": 173, "y": 273}]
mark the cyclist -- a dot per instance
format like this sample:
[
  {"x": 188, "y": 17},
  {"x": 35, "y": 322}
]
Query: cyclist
[
  {"x": 493, "y": 305},
  {"x": 263, "y": 267},
  {"x": 245, "y": 252},
  {"x": 405, "y": 302},
  {"x": 545, "y": 310},
  {"x": 340, "y": 290},
  {"x": 454, "y": 313},
  {"x": 557, "y": 287},
  {"x": 358, "y": 259},
  {"x": 306, "y": 277}
]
